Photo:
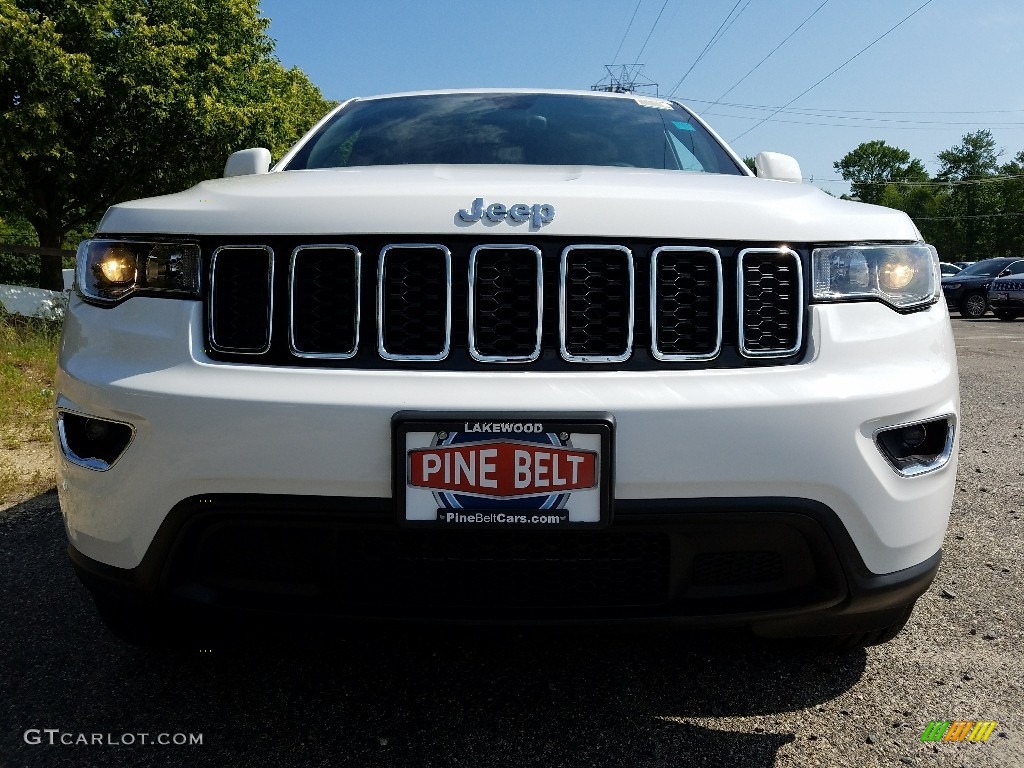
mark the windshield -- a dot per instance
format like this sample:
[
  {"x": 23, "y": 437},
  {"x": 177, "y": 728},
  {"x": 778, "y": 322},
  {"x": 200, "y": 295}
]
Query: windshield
[
  {"x": 520, "y": 129},
  {"x": 986, "y": 268}
]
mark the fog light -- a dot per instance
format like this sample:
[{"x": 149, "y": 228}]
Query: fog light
[
  {"x": 914, "y": 449},
  {"x": 914, "y": 436},
  {"x": 91, "y": 442}
]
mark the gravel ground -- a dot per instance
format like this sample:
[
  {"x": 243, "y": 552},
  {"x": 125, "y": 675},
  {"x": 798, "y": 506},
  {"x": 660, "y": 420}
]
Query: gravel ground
[{"x": 550, "y": 698}]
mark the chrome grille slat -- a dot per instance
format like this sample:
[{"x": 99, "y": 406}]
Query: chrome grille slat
[
  {"x": 504, "y": 304},
  {"x": 770, "y": 302},
  {"x": 414, "y": 302},
  {"x": 323, "y": 289},
  {"x": 592, "y": 331},
  {"x": 686, "y": 303},
  {"x": 241, "y": 305}
]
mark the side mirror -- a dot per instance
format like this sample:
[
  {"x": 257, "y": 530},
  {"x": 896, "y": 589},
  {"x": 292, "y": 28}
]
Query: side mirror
[
  {"x": 773, "y": 165},
  {"x": 247, "y": 161}
]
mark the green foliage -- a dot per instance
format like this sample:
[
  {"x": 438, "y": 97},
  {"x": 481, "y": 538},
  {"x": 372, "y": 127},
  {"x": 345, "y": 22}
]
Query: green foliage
[
  {"x": 972, "y": 209},
  {"x": 108, "y": 100},
  {"x": 17, "y": 269},
  {"x": 873, "y": 165}
]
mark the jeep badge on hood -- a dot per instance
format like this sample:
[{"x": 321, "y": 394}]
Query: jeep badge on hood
[{"x": 537, "y": 214}]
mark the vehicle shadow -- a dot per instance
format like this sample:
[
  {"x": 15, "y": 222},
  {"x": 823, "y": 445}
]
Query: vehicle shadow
[{"x": 398, "y": 696}]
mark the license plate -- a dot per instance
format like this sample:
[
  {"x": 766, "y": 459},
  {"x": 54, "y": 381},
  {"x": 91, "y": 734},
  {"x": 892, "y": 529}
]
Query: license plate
[
  {"x": 1000, "y": 296},
  {"x": 497, "y": 471}
]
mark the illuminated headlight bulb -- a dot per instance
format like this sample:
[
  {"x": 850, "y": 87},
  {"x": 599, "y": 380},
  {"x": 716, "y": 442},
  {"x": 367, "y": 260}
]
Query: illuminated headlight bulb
[
  {"x": 117, "y": 265},
  {"x": 895, "y": 275}
]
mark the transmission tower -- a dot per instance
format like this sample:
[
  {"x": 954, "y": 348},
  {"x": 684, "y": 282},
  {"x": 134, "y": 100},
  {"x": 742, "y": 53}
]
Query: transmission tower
[{"x": 625, "y": 78}]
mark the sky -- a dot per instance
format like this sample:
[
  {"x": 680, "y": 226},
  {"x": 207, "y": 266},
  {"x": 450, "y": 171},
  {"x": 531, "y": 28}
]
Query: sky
[{"x": 846, "y": 71}]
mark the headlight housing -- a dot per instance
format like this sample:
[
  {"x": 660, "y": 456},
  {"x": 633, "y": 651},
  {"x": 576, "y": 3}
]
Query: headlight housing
[
  {"x": 902, "y": 276},
  {"x": 108, "y": 271}
]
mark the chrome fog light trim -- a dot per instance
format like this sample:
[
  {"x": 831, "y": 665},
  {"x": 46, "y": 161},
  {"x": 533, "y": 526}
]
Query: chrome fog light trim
[
  {"x": 80, "y": 435},
  {"x": 917, "y": 447}
]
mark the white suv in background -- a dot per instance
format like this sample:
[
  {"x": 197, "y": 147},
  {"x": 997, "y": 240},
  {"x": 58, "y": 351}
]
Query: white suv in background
[{"x": 492, "y": 356}]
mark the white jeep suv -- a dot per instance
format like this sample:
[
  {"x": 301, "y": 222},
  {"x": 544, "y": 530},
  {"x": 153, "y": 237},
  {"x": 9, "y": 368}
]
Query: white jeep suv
[{"x": 508, "y": 356}]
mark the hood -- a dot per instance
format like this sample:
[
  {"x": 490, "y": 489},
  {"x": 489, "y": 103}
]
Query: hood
[{"x": 587, "y": 202}]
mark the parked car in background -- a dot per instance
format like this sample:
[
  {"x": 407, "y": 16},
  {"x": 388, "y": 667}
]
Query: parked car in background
[
  {"x": 967, "y": 291},
  {"x": 1006, "y": 294},
  {"x": 963, "y": 264},
  {"x": 948, "y": 269}
]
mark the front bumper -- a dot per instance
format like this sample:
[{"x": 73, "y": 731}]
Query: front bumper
[
  {"x": 799, "y": 432},
  {"x": 782, "y": 566},
  {"x": 1014, "y": 302}
]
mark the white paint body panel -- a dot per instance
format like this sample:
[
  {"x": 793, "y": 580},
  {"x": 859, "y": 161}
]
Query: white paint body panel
[
  {"x": 590, "y": 202},
  {"x": 802, "y": 430}
]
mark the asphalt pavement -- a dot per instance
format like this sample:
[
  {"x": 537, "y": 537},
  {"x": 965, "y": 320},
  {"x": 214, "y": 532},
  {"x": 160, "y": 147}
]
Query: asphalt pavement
[{"x": 71, "y": 694}]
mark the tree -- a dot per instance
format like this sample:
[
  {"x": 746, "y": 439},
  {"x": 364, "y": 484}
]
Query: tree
[
  {"x": 873, "y": 165},
  {"x": 967, "y": 164},
  {"x": 1010, "y": 229},
  {"x": 107, "y": 100}
]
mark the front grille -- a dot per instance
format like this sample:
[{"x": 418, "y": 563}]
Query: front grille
[
  {"x": 347, "y": 556},
  {"x": 462, "y": 304},
  {"x": 365, "y": 569},
  {"x": 513, "y": 570},
  {"x": 721, "y": 568}
]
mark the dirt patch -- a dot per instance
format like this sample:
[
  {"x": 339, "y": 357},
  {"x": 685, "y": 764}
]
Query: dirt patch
[{"x": 26, "y": 471}]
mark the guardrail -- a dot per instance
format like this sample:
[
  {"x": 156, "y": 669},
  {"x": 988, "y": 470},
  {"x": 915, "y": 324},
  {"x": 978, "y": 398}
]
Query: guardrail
[
  {"x": 35, "y": 302},
  {"x": 32, "y": 250}
]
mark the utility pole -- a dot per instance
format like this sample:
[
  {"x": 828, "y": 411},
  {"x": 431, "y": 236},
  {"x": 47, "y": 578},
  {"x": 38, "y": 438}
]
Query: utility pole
[{"x": 625, "y": 78}]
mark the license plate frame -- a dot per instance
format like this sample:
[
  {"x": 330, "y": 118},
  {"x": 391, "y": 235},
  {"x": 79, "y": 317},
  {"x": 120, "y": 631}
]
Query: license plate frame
[{"x": 538, "y": 463}]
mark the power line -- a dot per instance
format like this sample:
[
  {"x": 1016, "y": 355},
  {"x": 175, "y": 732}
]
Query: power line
[
  {"x": 771, "y": 53},
  {"x": 826, "y": 77},
  {"x": 626, "y": 33},
  {"x": 815, "y": 110},
  {"x": 875, "y": 122},
  {"x": 734, "y": 18},
  {"x": 714, "y": 39},
  {"x": 973, "y": 216},
  {"x": 941, "y": 184},
  {"x": 653, "y": 27}
]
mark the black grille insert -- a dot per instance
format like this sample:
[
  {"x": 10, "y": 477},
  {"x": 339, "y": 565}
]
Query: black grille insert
[
  {"x": 597, "y": 303},
  {"x": 325, "y": 301},
  {"x": 771, "y": 302},
  {"x": 414, "y": 302},
  {"x": 506, "y": 290},
  {"x": 686, "y": 303},
  {"x": 240, "y": 299},
  {"x": 510, "y": 569}
]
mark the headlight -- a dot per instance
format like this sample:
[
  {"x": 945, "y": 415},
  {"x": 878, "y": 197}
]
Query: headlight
[
  {"x": 952, "y": 286},
  {"x": 902, "y": 276},
  {"x": 107, "y": 271}
]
